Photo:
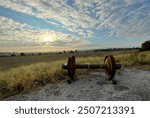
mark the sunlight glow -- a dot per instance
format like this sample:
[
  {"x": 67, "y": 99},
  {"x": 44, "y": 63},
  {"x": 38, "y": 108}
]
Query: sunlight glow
[{"x": 48, "y": 39}]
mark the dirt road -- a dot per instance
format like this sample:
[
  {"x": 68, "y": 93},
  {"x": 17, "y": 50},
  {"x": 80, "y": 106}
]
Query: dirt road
[{"x": 132, "y": 85}]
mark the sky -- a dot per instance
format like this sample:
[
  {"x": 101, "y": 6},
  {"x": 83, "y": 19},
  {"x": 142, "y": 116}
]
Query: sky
[{"x": 57, "y": 25}]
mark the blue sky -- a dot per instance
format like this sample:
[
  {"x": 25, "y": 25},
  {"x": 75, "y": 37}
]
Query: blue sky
[{"x": 56, "y": 25}]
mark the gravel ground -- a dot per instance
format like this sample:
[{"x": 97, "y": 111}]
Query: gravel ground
[{"x": 133, "y": 85}]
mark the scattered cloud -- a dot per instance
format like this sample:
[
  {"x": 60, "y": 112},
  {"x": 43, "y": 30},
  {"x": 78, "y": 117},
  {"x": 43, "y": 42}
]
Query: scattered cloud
[
  {"x": 54, "y": 9},
  {"x": 126, "y": 19},
  {"x": 14, "y": 33}
]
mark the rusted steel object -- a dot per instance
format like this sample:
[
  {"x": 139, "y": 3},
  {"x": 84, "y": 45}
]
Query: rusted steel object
[
  {"x": 91, "y": 66},
  {"x": 109, "y": 66},
  {"x": 71, "y": 67}
]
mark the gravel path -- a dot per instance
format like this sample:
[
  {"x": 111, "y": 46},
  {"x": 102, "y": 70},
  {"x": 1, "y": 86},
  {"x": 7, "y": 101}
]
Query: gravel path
[{"x": 132, "y": 85}]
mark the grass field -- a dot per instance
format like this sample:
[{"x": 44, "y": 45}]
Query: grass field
[{"x": 26, "y": 73}]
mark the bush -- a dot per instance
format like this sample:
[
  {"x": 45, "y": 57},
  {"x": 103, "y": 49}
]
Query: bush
[
  {"x": 146, "y": 45},
  {"x": 71, "y": 51},
  {"x": 22, "y": 54},
  {"x": 75, "y": 51}
]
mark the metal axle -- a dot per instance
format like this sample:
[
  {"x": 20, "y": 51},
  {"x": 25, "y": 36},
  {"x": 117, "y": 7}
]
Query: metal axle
[{"x": 91, "y": 66}]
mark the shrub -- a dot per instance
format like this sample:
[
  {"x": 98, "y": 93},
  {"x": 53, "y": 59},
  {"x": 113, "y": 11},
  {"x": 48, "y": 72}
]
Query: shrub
[
  {"x": 22, "y": 54},
  {"x": 71, "y": 51}
]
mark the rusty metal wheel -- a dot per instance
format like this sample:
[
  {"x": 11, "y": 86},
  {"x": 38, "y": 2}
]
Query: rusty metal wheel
[
  {"x": 110, "y": 67},
  {"x": 71, "y": 67}
]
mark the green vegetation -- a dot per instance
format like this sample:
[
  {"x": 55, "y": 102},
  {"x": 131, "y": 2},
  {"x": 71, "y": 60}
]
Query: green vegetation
[{"x": 29, "y": 77}]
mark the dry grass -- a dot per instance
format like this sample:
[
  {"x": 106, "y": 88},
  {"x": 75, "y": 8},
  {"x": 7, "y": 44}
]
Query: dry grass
[
  {"x": 29, "y": 77},
  {"x": 134, "y": 58}
]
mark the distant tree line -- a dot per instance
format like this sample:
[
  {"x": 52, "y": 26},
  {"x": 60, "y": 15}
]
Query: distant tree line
[
  {"x": 71, "y": 51},
  {"x": 116, "y": 49},
  {"x": 144, "y": 47}
]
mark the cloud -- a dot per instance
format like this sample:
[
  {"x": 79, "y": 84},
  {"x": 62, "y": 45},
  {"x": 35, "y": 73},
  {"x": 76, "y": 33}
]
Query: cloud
[
  {"x": 54, "y": 9},
  {"x": 124, "y": 19},
  {"x": 16, "y": 34}
]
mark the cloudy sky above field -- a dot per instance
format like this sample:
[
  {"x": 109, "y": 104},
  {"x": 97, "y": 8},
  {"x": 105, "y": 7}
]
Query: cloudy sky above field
[{"x": 56, "y": 25}]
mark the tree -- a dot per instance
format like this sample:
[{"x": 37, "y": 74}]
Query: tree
[
  {"x": 71, "y": 51},
  {"x": 13, "y": 54},
  {"x": 22, "y": 54},
  {"x": 75, "y": 51},
  {"x": 146, "y": 45}
]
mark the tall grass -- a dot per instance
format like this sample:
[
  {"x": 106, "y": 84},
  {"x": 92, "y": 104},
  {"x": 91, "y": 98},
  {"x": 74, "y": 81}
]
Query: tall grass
[
  {"x": 134, "y": 58},
  {"x": 28, "y": 78}
]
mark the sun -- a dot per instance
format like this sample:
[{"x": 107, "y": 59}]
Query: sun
[{"x": 48, "y": 39}]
